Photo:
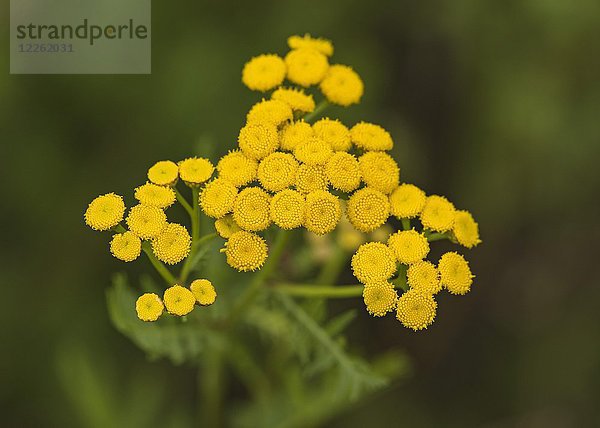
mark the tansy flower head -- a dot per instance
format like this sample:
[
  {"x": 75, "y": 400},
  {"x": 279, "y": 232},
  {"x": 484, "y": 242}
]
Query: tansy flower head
[
  {"x": 203, "y": 291},
  {"x": 237, "y": 168},
  {"x": 380, "y": 298},
  {"x": 306, "y": 66},
  {"x": 105, "y": 211},
  {"x": 146, "y": 221},
  {"x": 343, "y": 172},
  {"x": 313, "y": 152},
  {"x": 407, "y": 201},
  {"x": 251, "y": 210},
  {"x": 373, "y": 262},
  {"x": 297, "y": 99},
  {"x": 455, "y": 273},
  {"x": 322, "y": 45},
  {"x": 173, "y": 244},
  {"x": 273, "y": 112},
  {"x": 368, "y": 209},
  {"x": 438, "y": 214},
  {"x": 246, "y": 251},
  {"x": 465, "y": 229},
  {"x": 416, "y": 310},
  {"x": 334, "y": 133},
  {"x": 258, "y": 141},
  {"x": 294, "y": 134},
  {"x": 424, "y": 276},
  {"x": 322, "y": 213},
  {"x": 342, "y": 85},
  {"x": 194, "y": 171},
  {"x": 379, "y": 171},
  {"x": 149, "y": 307},
  {"x": 179, "y": 300},
  {"x": 263, "y": 72},
  {"x": 217, "y": 197},
  {"x": 287, "y": 209},
  {"x": 409, "y": 246},
  {"x": 371, "y": 137},
  {"x": 126, "y": 246},
  {"x": 277, "y": 171},
  {"x": 163, "y": 173},
  {"x": 226, "y": 226},
  {"x": 310, "y": 178},
  {"x": 155, "y": 195}
]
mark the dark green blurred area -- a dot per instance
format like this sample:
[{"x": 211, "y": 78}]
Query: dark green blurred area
[{"x": 494, "y": 104}]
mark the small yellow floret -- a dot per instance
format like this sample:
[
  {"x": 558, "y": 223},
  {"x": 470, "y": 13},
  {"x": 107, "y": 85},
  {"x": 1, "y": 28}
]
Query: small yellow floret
[
  {"x": 164, "y": 173},
  {"x": 179, "y": 300},
  {"x": 322, "y": 213},
  {"x": 342, "y": 85},
  {"x": 277, "y": 171},
  {"x": 146, "y": 221},
  {"x": 409, "y": 246},
  {"x": 258, "y": 141},
  {"x": 343, "y": 172},
  {"x": 237, "y": 168},
  {"x": 105, "y": 211},
  {"x": 334, "y": 133},
  {"x": 195, "y": 171},
  {"x": 126, "y": 246},
  {"x": 380, "y": 298},
  {"x": 438, "y": 214},
  {"x": 416, "y": 310},
  {"x": 371, "y": 137},
  {"x": 263, "y": 72},
  {"x": 149, "y": 307},
  {"x": 306, "y": 66},
  {"x": 322, "y": 45},
  {"x": 155, "y": 195},
  {"x": 173, "y": 244},
  {"x": 287, "y": 209},
  {"x": 310, "y": 178},
  {"x": 368, "y": 209},
  {"x": 217, "y": 198},
  {"x": 297, "y": 99},
  {"x": 246, "y": 251},
  {"x": 294, "y": 134},
  {"x": 373, "y": 262},
  {"x": 272, "y": 112},
  {"x": 424, "y": 276},
  {"x": 465, "y": 229},
  {"x": 203, "y": 291},
  {"x": 251, "y": 210},
  {"x": 313, "y": 152},
  {"x": 407, "y": 201},
  {"x": 226, "y": 226},
  {"x": 455, "y": 273},
  {"x": 379, "y": 171}
]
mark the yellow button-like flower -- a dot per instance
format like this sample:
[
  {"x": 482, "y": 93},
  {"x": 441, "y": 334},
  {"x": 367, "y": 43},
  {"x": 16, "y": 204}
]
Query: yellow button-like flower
[
  {"x": 373, "y": 262},
  {"x": 334, "y": 133},
  {"x": 455, "y": 273},
  {"x": 263, "y": 72},
  {"x": 416, "y": 310},
  {"x": 310, "y": 178},
  {"x": 371, "y": 137},
  {"x": 226, "y": 226},
  {"x": 146, "y": 221},
  {"x": 313, "y": 152},
  {"x": 424, "y": 276},
  {"x": 164, "y": 173},
  {"x": 407, "y": 201},
  {"x": 380, "y": 298},
  {"x": 126, "y": 246},
  {"x": 409, "y": 246},
  {"x": 342, "y": 85},
  {"x": 273, "y": 112},
  {"x": 294, "y": 134},
  {"x": 465, "y": 229},
  {"x": 306, "y": 66},
  {"x": 237, "y": 168},
  {"x": 155, "y": 195},
  {"x": 322, "y": 45},
  {"x": 368, "y": 209},
  {"x": 203, "y": 291},
  {"x": 379, "y": 171},
  {"x": 258, "y": 141},
  {"x": 217, "y": 198},
  {"x": 277, "y": 171},
  {"x": 246, "y": 251},
  {"x": 195, "y": 171},
  {"x": 287, "y": 209},
  {"x": 251, "y": 210},
  {"x": 322, "y": 213},
  {"x": 173, "y": 244},
  {"x": 297, "y": 99},
  {"x": 105, "y": 212},
  {"x": 179, "y": 300},
  {"x": 343, "y": 172},
  {"x": 438, "y": 214},
  {"x": 149, "y": 307}
]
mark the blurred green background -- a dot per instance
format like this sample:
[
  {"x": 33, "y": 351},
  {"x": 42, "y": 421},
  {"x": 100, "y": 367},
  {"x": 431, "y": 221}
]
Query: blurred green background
[{"x": 494, "y": 104}]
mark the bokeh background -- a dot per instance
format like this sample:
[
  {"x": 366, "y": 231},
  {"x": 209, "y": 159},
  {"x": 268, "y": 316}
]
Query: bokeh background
[{"x": 494, "y": 104}]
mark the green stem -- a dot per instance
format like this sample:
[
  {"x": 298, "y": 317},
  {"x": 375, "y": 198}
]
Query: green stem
[
  {"x": 184, "y": 203},
  {"x": 331, "y": 270},
  {"x": 210, "y": 388},
  {"x": 406, "y": 224},
  {"x": 400, "y": 280},
  {"x": 317, "y": 111},
  {"x": 320, "y": 291},
  {"x": 437, "y": 237},
  {"x": 195, "y": 220},
  {"x": 158, "y": 265}
]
